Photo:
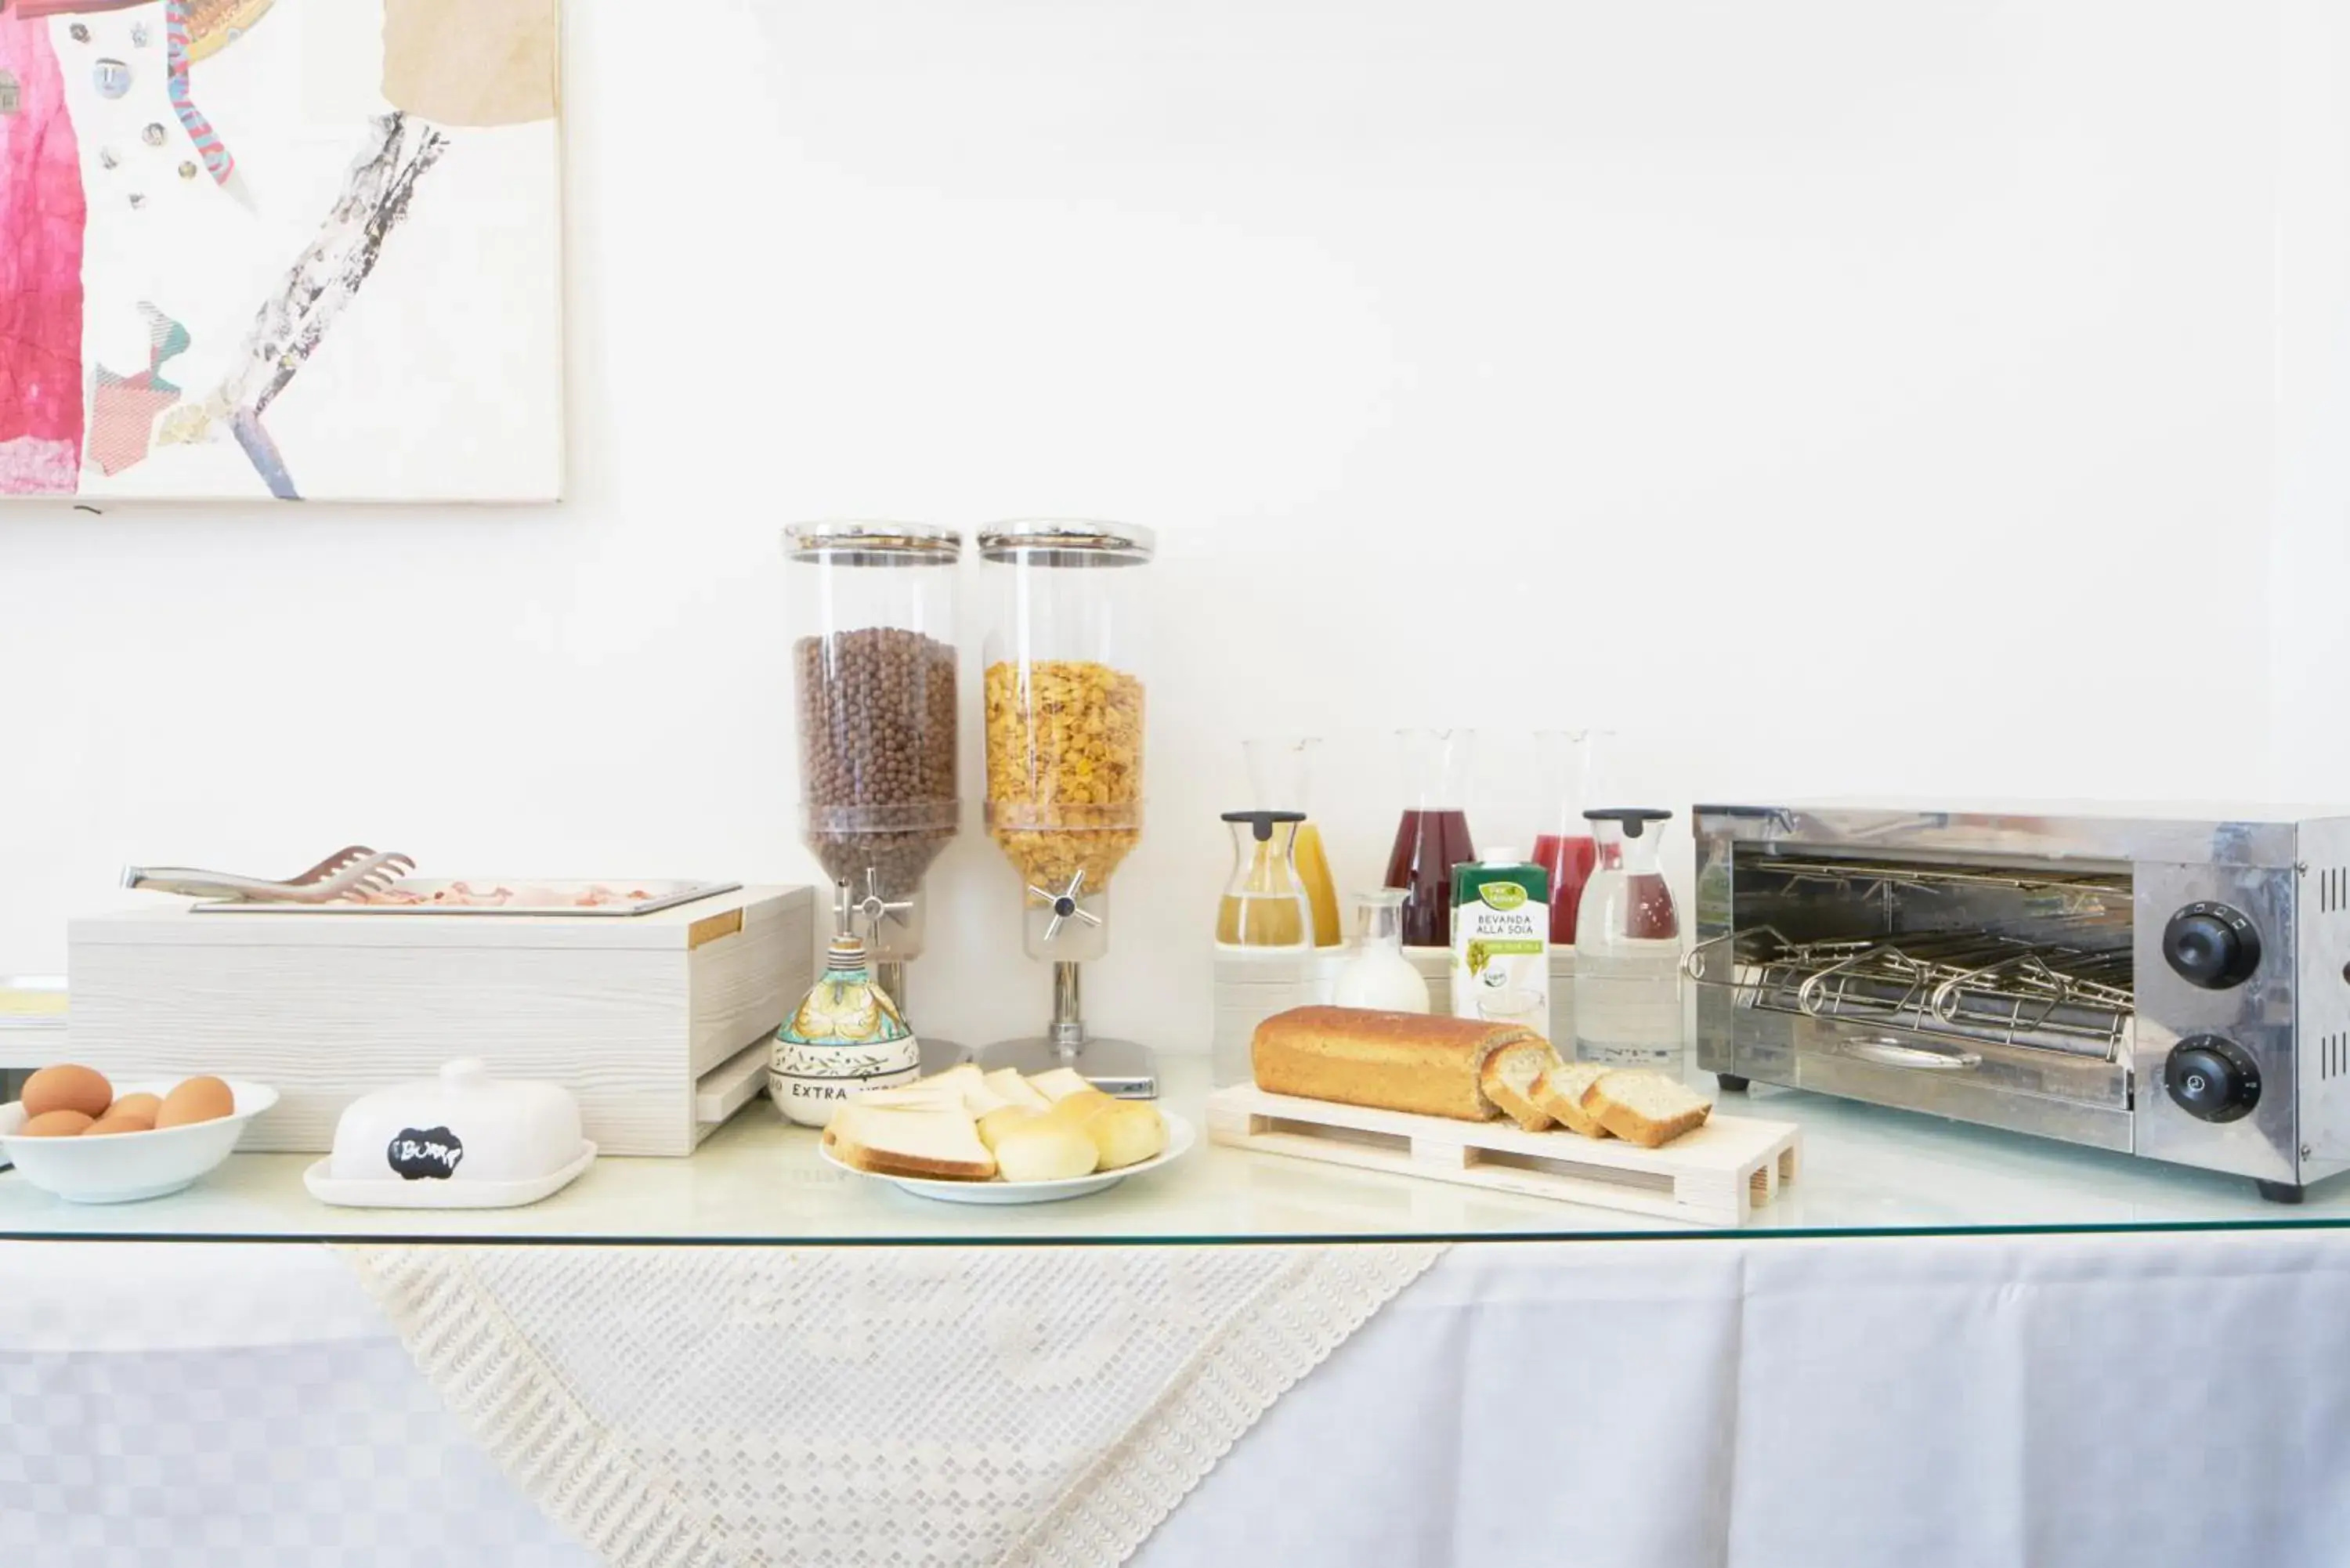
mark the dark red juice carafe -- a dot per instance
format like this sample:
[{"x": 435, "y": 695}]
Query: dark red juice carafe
[
  {"x": 1428, "y": 845},
  {"x": 1433, "y": 834},
  {"x": 1565, "y": 764},
  {"x": 1568, "y": 859}
]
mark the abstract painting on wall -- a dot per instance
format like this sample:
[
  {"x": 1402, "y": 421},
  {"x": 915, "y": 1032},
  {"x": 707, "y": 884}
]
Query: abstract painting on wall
[{"x": 308, "y": 249}]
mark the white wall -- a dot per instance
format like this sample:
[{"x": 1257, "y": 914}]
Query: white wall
[{"x": 1846, "y": 398}]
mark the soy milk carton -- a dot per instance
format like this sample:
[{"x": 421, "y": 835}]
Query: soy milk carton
[{"x": 1501, "y": 940}]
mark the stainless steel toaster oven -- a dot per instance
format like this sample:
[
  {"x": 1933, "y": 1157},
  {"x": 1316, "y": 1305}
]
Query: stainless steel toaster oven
[{"x": 2176, "y": 987}]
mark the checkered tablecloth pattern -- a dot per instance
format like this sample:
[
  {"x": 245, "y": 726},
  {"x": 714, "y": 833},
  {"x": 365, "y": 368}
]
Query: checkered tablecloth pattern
[{"x": 333, "y": 1455}]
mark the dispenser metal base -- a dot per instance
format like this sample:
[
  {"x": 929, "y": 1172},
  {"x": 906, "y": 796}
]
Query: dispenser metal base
[
  {"x": 938, "y": 1055},
  {"x": 1125, "y": 1068}
]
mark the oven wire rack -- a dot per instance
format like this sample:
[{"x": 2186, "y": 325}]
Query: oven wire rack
[{"x": 1973, "y": 986}]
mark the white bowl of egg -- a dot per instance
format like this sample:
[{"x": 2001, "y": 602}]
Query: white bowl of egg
[{"x": 88, "y": 1141}]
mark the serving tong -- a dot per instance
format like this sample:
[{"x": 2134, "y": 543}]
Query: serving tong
[{"x": 355, "y": 869}]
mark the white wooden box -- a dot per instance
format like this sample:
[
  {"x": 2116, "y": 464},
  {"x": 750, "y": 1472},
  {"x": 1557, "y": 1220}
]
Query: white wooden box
[{"x": 658, "y": 1022}]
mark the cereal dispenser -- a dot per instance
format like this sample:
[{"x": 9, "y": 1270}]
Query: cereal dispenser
[
  {"x": 872, "y": 607},
  {"x": 1064, "y": 708}
]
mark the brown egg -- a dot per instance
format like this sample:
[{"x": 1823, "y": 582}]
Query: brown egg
[
  {"x": 143, "y": 1106},
  {"x": 65, "y": 1087},
  {"x": 119, "y": 1122},
  {"x": 55, "y": 1124},
  {"x": 196, "y": 1100}
]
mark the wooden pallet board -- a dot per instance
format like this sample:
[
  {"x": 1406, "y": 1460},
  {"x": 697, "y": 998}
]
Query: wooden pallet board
[{"x": 1716, "y": 1175}]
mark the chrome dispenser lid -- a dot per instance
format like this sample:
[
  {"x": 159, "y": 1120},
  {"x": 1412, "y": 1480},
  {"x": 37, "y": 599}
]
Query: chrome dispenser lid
[
  {"x": 1067, "y": 542},
  {"x": 858, "y": 541}
]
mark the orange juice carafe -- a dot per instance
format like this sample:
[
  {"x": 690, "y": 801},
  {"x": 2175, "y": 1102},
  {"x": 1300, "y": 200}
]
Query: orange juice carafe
[{"x": 1280, "y": 777}]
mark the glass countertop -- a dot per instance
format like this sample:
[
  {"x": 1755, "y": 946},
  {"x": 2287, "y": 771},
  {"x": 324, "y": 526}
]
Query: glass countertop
[{"x": 1865, "y": 1171}]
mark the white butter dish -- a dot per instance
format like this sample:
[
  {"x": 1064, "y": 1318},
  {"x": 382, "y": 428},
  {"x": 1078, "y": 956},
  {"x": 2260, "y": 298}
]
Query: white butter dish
[{"x": 463, "y": 1140}]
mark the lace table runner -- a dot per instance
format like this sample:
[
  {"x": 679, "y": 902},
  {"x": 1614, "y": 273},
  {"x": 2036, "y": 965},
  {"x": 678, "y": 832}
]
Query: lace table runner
[{"x": 746, "y": 1407}]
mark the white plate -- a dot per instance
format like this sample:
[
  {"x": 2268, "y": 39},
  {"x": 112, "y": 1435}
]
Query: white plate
[
  {"x": 1179, "y": 1139},
  {"x": 386, "y": 1192},
  {"x": 124, "y": 1168}
]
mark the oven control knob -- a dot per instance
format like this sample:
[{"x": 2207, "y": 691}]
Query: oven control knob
[
  {"x": 2211, "y": 1078},
  {"x": 2211, "y": 945}
]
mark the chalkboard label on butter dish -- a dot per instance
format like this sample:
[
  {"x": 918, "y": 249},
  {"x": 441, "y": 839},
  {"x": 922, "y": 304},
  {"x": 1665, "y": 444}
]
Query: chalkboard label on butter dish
[{"x": 431, "y": 1153}]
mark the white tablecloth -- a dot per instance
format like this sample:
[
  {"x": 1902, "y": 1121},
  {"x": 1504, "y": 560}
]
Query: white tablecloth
[{"x": 2139, "y": 1400}]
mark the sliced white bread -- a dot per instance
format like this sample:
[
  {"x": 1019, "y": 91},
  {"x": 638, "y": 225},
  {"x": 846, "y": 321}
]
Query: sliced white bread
[
  {"x": 1060, "y": 1083},
  {"x": 1560, "y": 1091},
  {"x": 1645, "y": 1107},
  {"x": 965, "y": 1079},
  {"x": 1015, "y": 1090},
  {"x": 937, "y": 1142},
  {"x": 918, "y": 1096},
  {"x": 1508, "y": 1078},
  {"x": 1042, "y": 1149}
]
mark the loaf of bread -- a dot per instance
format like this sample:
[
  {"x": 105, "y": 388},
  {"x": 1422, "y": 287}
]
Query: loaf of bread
[{"x": 1391, "y": 1060}]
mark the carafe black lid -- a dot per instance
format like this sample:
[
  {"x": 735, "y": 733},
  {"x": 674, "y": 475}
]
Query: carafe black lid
[
  {"x": 1635, "y": 818},
  {"x": 1263, "y": 821}
]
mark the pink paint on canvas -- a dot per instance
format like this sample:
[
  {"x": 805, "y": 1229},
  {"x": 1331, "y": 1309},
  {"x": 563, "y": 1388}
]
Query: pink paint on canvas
[{"x": 42, "y": 213}]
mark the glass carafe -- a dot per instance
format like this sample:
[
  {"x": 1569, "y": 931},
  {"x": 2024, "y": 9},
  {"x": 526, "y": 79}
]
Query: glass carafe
[
  {"x": 1432, "y": 837},
  {"x": 1265, "y": 905},
  {"x": 1280, "y": 778},
  {"x": 1564, "y": 765},
  {"x": 1628, "y": 948},
  {"x": 1376, "y": 974}
]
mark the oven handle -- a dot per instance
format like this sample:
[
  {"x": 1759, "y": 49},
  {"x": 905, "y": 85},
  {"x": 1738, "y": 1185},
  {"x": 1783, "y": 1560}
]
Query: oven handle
[{"x": 1893, "y": 1054}]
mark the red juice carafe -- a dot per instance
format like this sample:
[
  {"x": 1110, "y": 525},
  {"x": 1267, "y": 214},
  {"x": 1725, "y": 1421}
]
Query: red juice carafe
[
  {"x": 1434, "y": 835},
  {"x": 1563, "y": 845}
]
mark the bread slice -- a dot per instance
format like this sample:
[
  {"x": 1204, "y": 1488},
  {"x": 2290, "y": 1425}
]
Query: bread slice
[
  {"x": 979, "y": 1097},
  {"x": 1015, "y": 1090},
  {"x": 1645, "y": 1107},
  {"x": 917, "y": 1095},
  {"x": 937, "y": 1142},
  {"x": 1509, "y": 1076},
  {"x": 1560, "y": 1091},
  {"x": 1060, "y": 1083}
]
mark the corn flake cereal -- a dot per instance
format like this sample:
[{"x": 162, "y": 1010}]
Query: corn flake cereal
[{"x": 1064, "y": 768}]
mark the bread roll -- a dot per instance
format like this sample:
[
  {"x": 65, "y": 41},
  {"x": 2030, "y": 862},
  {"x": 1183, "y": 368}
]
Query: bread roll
[
  {"x": 1082, "y": 1106},
  {"x": 1392, "y": 1061},
  {"x": 1044, "y": 1148},
  {"x": 1126, "y": 1133},
  {"x": 996, "y": 1123}
]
